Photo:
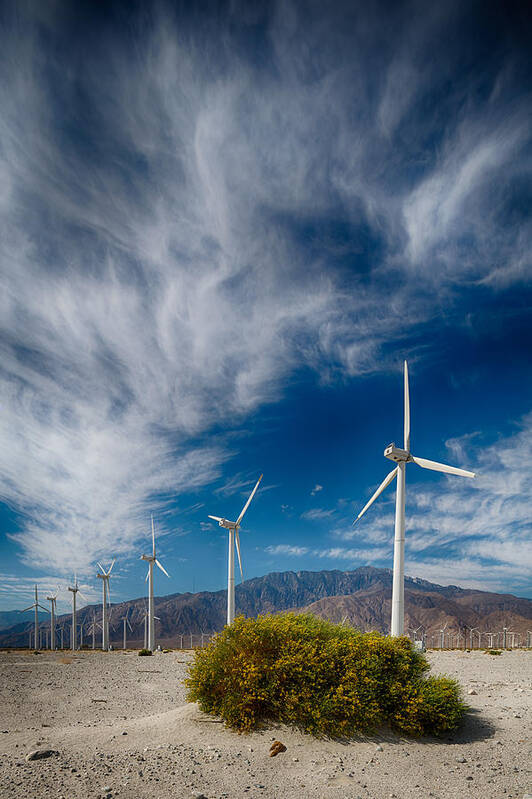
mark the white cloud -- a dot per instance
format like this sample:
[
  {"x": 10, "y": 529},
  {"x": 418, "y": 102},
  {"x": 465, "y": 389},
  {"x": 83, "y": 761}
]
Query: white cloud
[
  {"x": 316, "y": 514},
  {"x": 157, "y": 290},
  {"x": 286, "y": 549},
  {"x": 317, "y": 488}
]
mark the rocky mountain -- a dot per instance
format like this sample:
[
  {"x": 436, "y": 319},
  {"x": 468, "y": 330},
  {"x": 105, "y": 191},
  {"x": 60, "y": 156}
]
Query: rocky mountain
[{"x": 362, "y": 596}]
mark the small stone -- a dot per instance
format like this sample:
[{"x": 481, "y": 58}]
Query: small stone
[
  {"x": 124, "y": 733},
  {"x": 106, "y": 789},
  {"x": 460, "y": 760},
  {"x": 472, "y": 692},
  {"x": 38, "y": 754},
  {"x": 378, "y": 748},
  {"x": 198, "y": 796},
  {"x": 276, "y": 748}
]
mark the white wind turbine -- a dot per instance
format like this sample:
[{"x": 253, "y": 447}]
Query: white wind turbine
[
  {"x": 401, "y": 458},
  {"x": 52, "y": 599},
  {"x": 125, "y": 620},
  {"x": 36, "y": 606},
  {"x": 233, "y": 528},
  {"x": 105, "y": 576},
  {"x": 151, "y": 560},
  {"x": 75, "y": 589}
]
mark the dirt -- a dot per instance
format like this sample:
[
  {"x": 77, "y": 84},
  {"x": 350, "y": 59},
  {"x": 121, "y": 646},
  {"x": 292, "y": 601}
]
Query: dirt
[{"x": 117, "y": 725}]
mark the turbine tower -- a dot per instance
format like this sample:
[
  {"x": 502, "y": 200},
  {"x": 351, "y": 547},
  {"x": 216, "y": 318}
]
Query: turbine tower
[
  {"x": 156, "y": 618},
  {"x": 401, "y": 457},
  {"x": 52, "y": 599},
  {"x": 105, "y": 576},
  {"x": 151, "y": 560},
  {"x": 36, "y": 606},
  {"x": 234, "y": 538}
]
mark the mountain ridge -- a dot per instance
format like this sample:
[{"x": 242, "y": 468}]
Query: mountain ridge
[{"x": 364, "y": 595}]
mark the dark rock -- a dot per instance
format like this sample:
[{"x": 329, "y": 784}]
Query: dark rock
[{"x": 38, "y": 754}]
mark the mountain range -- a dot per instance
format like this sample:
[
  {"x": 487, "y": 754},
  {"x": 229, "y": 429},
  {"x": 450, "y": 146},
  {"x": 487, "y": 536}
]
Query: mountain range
[{"x": 361, "y": 597}]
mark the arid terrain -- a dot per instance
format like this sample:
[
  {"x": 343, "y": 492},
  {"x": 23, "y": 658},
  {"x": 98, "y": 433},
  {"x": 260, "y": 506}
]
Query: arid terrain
[{"x": 119, "y": 726}]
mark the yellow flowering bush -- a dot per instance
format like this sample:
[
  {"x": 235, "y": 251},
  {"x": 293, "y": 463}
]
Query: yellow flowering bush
[{"x": 324, "y": 678}]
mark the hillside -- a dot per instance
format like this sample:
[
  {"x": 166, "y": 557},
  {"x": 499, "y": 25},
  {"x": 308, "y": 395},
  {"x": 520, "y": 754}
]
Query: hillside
[{"x": 363, "y": 596}]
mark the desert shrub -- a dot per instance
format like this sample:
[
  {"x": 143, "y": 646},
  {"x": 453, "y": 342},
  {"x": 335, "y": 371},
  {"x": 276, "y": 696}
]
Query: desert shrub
[
  {"x": 144, "y": 652},
  {"x": 327, "y": 679},
  {"x": 434, "y": 707},
  {"x": 492, "y": 652}
]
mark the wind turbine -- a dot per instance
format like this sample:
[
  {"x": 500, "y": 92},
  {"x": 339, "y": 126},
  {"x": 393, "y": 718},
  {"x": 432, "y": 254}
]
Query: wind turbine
[
  {"x": 105, "y": 576},
  {"x": 75, "y": 590},
  {"x": 401, "y": 457},
  {"x": 125, "y": 621},
  {"x": 53, "y": 600},
  {"x": 36, "y": 629},
  {"x": 151, "y": 560},
  {"x": 442, "y": 636},
  {"x": 92, "y": 631},
  {"x": 233, "y": 528}
]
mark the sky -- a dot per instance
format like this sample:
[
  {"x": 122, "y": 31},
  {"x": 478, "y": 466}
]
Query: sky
[{"x": 224, "y": 227}]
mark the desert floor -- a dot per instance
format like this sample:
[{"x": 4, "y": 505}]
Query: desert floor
[{"x": 121, "y": 728}]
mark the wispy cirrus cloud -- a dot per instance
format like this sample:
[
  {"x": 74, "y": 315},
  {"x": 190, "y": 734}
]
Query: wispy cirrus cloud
[
  {"x": 317, "y": 514},
  {"x": 171, "y": 250}
]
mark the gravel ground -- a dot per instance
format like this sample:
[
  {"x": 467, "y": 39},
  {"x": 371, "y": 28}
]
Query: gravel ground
[{"x": 120, "y": 727}]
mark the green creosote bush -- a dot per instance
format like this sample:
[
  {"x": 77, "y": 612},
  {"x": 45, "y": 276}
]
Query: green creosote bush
[
  {"x": 492, "y": 652},
  {"x": 143, "y": 652},
  {"x": 326, "y": 679}
]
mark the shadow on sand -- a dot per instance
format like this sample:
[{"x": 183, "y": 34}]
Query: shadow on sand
[{"x": 474, "y": 728}]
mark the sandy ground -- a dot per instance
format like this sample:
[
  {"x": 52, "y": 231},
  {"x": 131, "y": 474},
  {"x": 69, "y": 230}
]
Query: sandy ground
[{"x": 121, "y": 728}]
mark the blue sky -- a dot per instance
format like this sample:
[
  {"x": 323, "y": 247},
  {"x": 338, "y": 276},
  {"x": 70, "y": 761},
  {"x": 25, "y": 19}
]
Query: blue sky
[{"x": 224, "y": 226}]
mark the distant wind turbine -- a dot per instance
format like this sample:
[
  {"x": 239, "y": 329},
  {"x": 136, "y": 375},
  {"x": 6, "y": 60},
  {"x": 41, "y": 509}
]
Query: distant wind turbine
[
  {"x": 233, "y": 528},
  {"x": 75, "y": 590},
  {"x": 151, "y": 560},
  {"x": 105, "y": 576},
  {"x": 125, "y": 620},
  {"x": 36, "y": 606},
  {"x": 402, "y": 457},
  {"x": 52, "y": 599}
]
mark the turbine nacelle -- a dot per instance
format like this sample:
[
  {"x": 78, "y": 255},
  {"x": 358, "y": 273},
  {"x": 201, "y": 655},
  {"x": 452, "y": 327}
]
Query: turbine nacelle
[
  {"x": 225, "y": 523},
  {"x": 397, "y": 454}
]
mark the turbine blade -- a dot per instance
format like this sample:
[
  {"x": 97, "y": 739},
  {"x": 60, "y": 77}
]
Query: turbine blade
[
  {"x": 25, "y": 609},
  {"x": 111, "y": 566},
  {"x": 43, "y": 608},
  {"x": 216, "y": 518},
  {"x": 386, "y": 482},
  {"x": 100, "y": 567},
  {"x": 161, "y": 567},
  {"x": 153, "y": 535},
  {"x": 156, "y": 617},
  {"x": 246, "y": 506},
  {"x": 407, "y": 411},
  {"x": 129, "y": 625},
  {"x": 237, "y": 542},
  {"x": 148, "y": 574},
  {"x": 442, "y": 467}
]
